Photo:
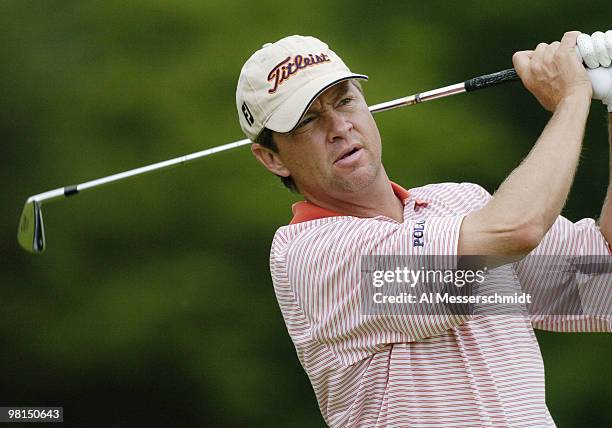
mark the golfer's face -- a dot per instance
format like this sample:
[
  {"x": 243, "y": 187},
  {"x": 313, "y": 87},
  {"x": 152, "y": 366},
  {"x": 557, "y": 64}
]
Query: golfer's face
[{"x": 336, "y": 147}]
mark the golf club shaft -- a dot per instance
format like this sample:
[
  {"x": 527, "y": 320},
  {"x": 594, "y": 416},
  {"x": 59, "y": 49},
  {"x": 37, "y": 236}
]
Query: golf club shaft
[
  {"x": 470, "y": 85},
  {"x": 467, "y": 86}
]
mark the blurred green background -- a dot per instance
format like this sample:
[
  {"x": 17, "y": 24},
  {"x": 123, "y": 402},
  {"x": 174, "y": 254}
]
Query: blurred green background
[{"x": 153, "y": 303}]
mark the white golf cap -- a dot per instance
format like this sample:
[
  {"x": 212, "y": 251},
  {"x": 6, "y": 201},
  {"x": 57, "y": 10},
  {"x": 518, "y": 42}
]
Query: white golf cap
[{"x": 280, "y": 81}]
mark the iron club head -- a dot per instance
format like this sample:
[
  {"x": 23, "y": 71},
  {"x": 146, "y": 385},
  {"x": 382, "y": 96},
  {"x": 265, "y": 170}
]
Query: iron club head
[{"x": 31, "y": 232}]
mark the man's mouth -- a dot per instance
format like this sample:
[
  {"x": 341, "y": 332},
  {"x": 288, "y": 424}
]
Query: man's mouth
[{"x": 348, "y": 156}]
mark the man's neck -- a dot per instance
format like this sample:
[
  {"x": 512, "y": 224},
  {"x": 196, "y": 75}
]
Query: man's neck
[{"x": 374, "y": 200}]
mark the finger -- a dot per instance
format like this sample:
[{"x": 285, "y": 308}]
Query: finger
[
  {"x": 521, "y": 61},
  {"x": 601, "y": 81},
  {"x": 569, "y": 39},
  {"x": 608, "y": 41},
  {"x": 540, "y": 48},
  {"x": 585, "y": 45},
  {"x": 578, "y": 55},
  {"x": 538, "y": 54},
  {"x": 550, "y": 51},
  {"x": 599, "y": 45}
]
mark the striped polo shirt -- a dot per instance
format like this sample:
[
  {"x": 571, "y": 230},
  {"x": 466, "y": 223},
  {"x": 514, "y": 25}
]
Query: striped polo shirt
[{"x": 422, "y": 371}]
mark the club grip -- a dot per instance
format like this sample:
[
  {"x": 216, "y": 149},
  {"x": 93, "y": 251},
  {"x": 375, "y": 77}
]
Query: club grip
[{"x": 493, "y": 79}]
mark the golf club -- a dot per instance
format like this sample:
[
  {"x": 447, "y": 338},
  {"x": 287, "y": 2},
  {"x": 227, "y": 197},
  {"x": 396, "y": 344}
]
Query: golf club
[{"x": 31, "y": 231}]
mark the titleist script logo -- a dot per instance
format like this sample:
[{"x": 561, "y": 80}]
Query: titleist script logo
[{"x": 288, "y": 67}]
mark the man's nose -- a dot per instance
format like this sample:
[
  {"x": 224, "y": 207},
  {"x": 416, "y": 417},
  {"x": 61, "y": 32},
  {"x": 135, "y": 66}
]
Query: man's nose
[{"x": 339, "y": 126}]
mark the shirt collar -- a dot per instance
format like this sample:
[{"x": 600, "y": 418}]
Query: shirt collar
[{"x": 306, "y": 211}]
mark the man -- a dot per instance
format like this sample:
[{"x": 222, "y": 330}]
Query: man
[{"x": 311, "y": 126}]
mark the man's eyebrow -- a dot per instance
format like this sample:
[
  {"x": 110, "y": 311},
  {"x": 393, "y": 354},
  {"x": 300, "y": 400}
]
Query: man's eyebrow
[
  {"x": 341, "y": 89},
  {"x": 338, "y": 91}
]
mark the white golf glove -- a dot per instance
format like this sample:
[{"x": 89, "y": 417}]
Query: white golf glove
[
  {"x": 596, "y": 52},
  {"x": 601, "y": 79}
]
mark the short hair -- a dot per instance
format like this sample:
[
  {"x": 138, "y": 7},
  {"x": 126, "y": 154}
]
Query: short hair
[{"x": 266, "y": 139}]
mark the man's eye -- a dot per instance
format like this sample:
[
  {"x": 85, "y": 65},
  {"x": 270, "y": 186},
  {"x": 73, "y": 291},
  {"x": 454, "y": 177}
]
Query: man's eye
[
  {"x": 346, "y": 101},
  {"x": 305, "y": 121}
]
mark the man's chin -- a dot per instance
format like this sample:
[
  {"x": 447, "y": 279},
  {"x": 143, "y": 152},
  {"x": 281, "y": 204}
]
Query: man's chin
[{"x": 357, "y": 181}]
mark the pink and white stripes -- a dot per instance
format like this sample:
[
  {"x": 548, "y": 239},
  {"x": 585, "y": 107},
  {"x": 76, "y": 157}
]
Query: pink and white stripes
[{"x": 419, "y": 370}]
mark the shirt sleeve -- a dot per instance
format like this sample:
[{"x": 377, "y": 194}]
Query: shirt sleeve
[
  {"x": 569, "y": 276},
  {"x": 317, "y": 282}
]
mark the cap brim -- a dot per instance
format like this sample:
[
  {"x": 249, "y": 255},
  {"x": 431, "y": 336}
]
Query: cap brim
[{"x": 287, "y": 115}]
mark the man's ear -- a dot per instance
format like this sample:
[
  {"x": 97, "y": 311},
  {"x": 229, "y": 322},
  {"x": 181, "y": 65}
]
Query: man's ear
[{"x": 270, "y": 159}]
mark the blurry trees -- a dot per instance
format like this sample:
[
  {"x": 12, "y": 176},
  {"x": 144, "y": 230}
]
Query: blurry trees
[{"x": 153, "y": 304}]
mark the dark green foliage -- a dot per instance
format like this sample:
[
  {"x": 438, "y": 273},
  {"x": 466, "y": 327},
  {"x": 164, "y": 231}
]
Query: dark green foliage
[{"x": 153, "y": 304}]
